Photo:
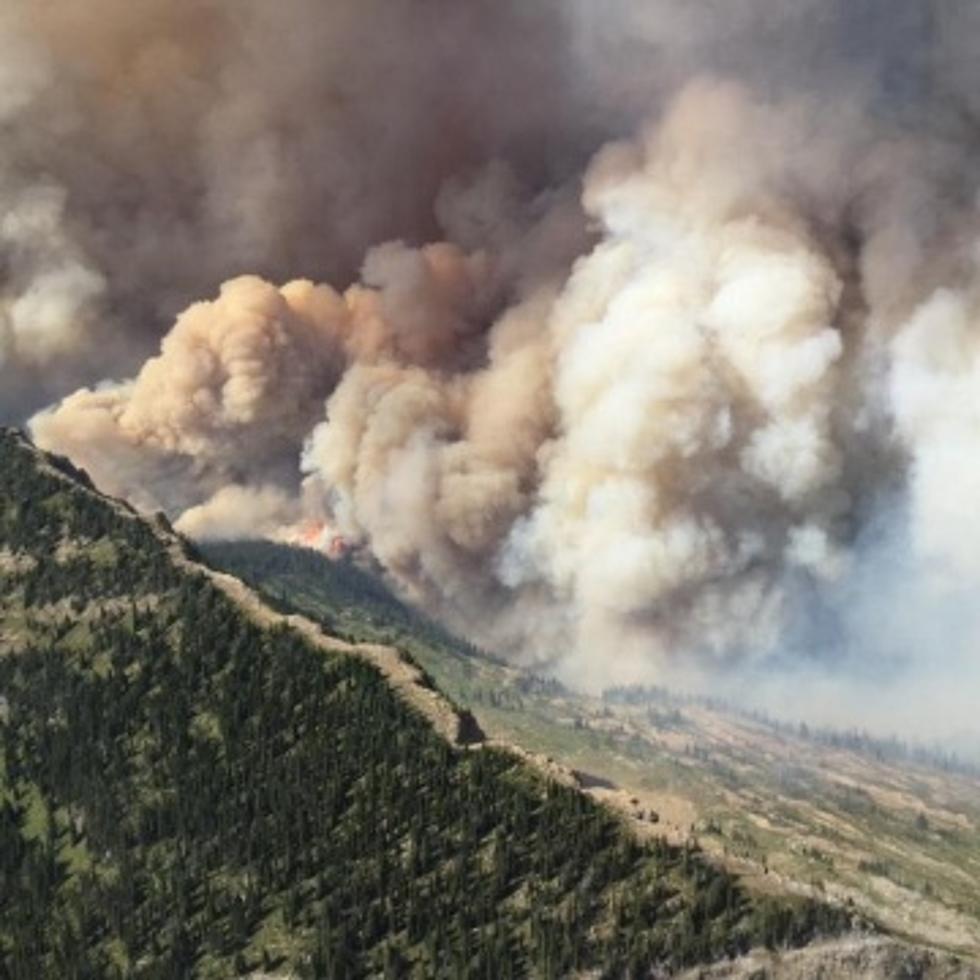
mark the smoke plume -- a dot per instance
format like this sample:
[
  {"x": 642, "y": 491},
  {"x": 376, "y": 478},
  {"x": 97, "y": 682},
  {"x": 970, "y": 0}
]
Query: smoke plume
[{"x": 638, "y": 341}]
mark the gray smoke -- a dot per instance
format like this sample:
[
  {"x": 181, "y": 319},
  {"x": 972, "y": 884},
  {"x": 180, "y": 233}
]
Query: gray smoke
[{"x": 663, "y": 360}]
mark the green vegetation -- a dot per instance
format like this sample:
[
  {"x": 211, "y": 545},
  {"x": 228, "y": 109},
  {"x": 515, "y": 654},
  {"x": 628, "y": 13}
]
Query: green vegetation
[
  {"x": 772, "y": 802},
  {"x": 358, "y": 607},
  {"x": 184, "y": 793},
  {"x": 347, "y": 600}
]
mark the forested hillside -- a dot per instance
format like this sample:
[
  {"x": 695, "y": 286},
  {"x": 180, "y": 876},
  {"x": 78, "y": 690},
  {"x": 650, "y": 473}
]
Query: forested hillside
[
  {"x": 345, "y": 598},
  {"x": 186, "y": 793},
  {"x": 890, "y": 827}
]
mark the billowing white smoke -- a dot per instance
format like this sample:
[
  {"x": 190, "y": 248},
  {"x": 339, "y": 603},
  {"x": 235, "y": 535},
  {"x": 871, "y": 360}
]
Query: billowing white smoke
[
  {"x": 695, "y": 378},
  {"x": 686, "y": 415},
  {"x": 935, "y": 391}
]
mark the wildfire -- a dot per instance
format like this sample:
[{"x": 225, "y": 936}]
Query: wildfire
[{"x": 319, "y": 536}]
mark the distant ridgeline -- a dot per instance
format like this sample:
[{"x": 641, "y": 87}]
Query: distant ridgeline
[
  {"x": 184, "y": 793},
  {"x": 884, "y": 749}
]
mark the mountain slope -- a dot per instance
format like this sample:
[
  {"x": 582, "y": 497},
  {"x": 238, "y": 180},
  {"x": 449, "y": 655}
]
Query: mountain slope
[
  {"x": 193, "y": 785},
  {"x": 890, "y": 828}
]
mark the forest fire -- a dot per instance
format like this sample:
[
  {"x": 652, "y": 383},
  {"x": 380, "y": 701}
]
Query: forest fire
[{"x": 319, "y": 536}]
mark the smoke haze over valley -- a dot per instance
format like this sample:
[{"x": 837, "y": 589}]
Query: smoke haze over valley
[{"x": 639, "y": 342}]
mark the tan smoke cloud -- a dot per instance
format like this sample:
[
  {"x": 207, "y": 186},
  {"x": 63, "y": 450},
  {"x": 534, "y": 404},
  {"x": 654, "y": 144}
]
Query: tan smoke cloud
[
  {"x": 659, "y": 446},
  {"x": 236, "y": 381},
  {"x": 240, "y": 381},
  {"x": 616, "y": 416},
  {"x": 152, "y": 150},
  {"x": 693, "y": 457},
  {"x": 178, "y": 145},
  {"x": 235, "y": 512}
]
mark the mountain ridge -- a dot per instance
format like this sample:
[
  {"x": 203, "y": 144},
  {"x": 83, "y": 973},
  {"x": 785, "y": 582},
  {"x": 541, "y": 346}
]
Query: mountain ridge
[
  {"x": 819, "y": 814},
  {"x": 194, "y": 785}
]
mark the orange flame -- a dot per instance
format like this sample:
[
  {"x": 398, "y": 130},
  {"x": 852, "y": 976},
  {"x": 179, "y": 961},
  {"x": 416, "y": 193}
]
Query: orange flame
[{"x": 319, "y": 536}]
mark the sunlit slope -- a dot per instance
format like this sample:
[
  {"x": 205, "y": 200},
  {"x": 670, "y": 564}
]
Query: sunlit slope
[
  {"x": 871, "y": 823},
  {"x": 194, "y": 785}
]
